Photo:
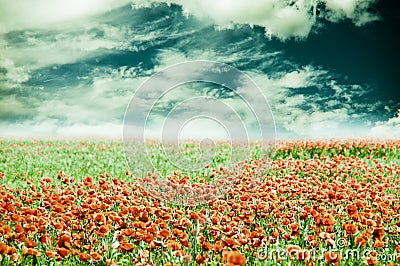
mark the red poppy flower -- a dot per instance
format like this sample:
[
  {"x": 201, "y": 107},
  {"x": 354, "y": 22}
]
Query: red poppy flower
[{"x": 236, "y": 258}]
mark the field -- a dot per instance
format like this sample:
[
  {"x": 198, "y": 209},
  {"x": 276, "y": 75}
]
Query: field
[{"x": 319, "y": 203}]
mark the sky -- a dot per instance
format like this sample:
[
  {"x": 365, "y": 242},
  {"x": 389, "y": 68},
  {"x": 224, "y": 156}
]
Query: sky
[{"x": 327, "y": 68}]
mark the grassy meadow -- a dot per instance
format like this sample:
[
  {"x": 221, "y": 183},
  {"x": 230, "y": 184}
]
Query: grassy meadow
[{"x": 318, "y": 203}]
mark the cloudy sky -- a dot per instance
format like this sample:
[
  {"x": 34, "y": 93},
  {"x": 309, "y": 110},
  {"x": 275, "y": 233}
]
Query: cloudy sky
[{"x": 328, "y": 68}]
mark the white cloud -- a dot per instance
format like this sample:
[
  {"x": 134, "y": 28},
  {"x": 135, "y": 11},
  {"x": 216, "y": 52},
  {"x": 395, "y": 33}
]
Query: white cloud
[
  {"x": 317, "y": 123},
  {"x": 356, "y": 10},
  {"x": 305, "y": 115},
  {"x": 178, "y": 95},
  {"x": 283, "y": 19},
  {"x": 301, "y": 78},
  {"x": 12, "y": 106},
  {"x": 387, "y": 129},
  {"x": 319, "y": 114},
  {"x": 13, "y": 75},
  {"x": 51, "y": 128},
  {"x": 20, "y": 14},
  {"x": 66, "y": 46},
  {"x": 100, "y": 102},
  {"x": 57, "y": 33},
  {"x": 87, "y": 110},
  {"x": 276, "y": 16},
  {"x": 95, "y": 110},
  {"x": 51, "y": 44},
  {"x": 50, "y": 37},
  {"x": 346, "y": 7}
]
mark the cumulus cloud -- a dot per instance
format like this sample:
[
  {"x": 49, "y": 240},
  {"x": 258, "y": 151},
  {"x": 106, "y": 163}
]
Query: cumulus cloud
[
  {"x": 356, "y": 10},
  {"x": 279, "y": 18},
  {"x": 12, "y": 75},
  {"x": 387, "y": 129},
  {"x": 282, "y": 19}
]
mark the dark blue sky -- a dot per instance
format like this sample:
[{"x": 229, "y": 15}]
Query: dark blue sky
[{"x": 369, "y": 55}]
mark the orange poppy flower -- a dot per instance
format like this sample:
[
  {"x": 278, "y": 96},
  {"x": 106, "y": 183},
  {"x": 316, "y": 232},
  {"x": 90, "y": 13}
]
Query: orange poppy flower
[
  {"x": 229, "y": 241},
  {"x": 30, "y": 251},
  {"x": 91, "y": 226},
  {"x": 184, "y": 222},
  {"x": 99, "y": 218},
  {"x": 58, "y": 225},
  {"x": 63, "y": 252},
  {"x": 18, "y": 228},
  {"x": 30, "y": 243},
  {"x": 128, "y": 231},
  {"x": 350, "y": 228},
  {"x": 371, "y": 260},
  {"x": 236, "y": 258},
  {"x": 379, "y": 233},
  {"x": 185, "y": 242},
  {"x": 164, "y": 233},
  {"x": 328, "y": 220},
  {"x": 206, "y": 246},
  {"x": 80, "y": 192},
  {"x": 50, "y": 253},
  {"x": 218, "y": 246},
  {"x": 84, "y": 256},
  {"x": 215, "y": 220},
  {"x": 332, "y": 257},
  {"x": 195, "y": 216},
  {"x": 304, "y": 255},
  {"x": 288, "y": 236},
  {"x": 143, "y": 217},
  {"x": 179, "y": 233},
  {"x": 200, "y": 259},
  {"x": 139, "y": 224},
  {"x": 148, "y": 238},
  {"x": 64, "y": 241},
  {"x": 104, "y": 230},
  {"x": 173, "y": 245},
  {"x": 294, "y": 227},
  {"x": 293, "y": 251},
  {"x": 379, "y": 244},
  {"x": 3, "y": 248},
  {"x": 329, "y": 229},
  {"x": 360, "y": 241},
  {"x": 285, "y": 221},
  {"x": 88, "y": 180},
  {"x": 96, "y": 256},
  {"x": 11, "y": 250},
  {"x": 351, "y": 209},
  {"x": 126, "y": 247}
]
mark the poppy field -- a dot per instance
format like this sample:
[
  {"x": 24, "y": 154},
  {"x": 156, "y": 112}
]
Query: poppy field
[{"x": 333, "y": 202}]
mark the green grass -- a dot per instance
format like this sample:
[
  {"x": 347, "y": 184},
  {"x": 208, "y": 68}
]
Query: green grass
[{"x": 37, "y": 159}]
